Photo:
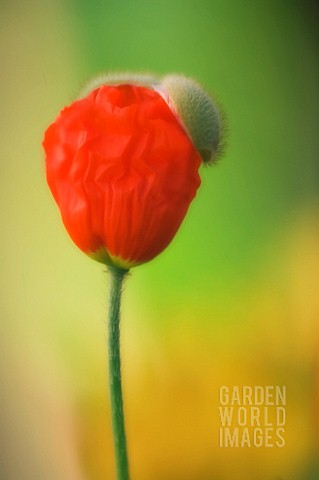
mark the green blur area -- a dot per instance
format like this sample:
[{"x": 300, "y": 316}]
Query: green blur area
[
  {"x": 233, "y": 300},
  {"x": 260, "y": 60}
]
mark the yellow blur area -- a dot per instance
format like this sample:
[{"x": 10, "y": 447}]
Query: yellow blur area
[
  {"x": 172, "y": 380},
  {"x": 54, "y": 410}
]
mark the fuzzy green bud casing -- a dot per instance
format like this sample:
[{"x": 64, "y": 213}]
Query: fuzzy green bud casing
[
  {"x": 195, "y": 109},
  {"x": 198, "y": 113}
]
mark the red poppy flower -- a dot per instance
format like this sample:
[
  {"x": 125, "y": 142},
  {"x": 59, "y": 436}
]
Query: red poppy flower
[{"x": 123, "y": 171}]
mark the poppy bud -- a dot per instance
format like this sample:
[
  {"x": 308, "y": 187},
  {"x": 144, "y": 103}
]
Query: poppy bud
[{"x": 122, "y": 163}]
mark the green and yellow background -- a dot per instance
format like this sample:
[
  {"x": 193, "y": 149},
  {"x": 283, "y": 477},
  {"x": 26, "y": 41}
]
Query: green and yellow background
[{"x": 232, "y": 301}]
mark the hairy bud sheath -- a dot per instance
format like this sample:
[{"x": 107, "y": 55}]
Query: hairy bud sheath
[{"x": 196, "y": 110}]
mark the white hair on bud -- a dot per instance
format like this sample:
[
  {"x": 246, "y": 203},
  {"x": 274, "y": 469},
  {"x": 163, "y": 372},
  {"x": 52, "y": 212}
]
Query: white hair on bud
[
  {"x": 198, "y": 113},
  {"x": 141, "y": 79}
]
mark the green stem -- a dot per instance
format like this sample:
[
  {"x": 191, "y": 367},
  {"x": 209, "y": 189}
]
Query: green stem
[{"x": 117, "y": 276}]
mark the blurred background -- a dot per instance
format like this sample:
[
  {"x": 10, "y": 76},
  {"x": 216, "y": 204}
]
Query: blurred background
[{"x": 232, "y": 301}]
